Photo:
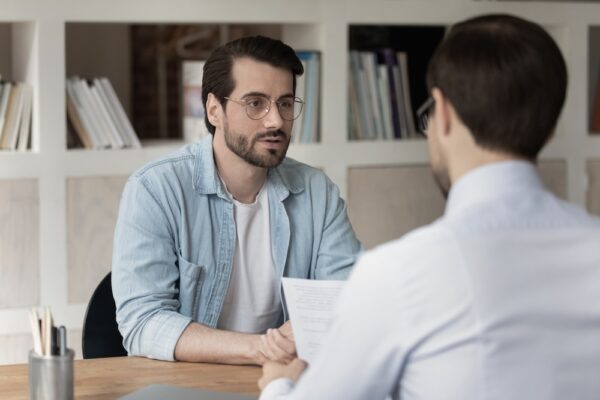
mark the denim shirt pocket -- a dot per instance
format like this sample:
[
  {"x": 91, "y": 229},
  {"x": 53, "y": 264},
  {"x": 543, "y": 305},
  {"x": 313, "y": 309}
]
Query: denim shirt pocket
[{"x": 190, "y": 287}]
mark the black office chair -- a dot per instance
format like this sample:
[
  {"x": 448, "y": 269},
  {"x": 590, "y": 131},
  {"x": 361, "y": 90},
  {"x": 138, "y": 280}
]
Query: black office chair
[{"x": 101, "y": 336}]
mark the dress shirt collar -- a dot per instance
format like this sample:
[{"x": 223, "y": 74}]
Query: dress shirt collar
[{"x": 491, "y": 181}]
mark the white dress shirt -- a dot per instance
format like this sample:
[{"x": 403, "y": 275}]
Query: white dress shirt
[{"x": 499, "y": 299}]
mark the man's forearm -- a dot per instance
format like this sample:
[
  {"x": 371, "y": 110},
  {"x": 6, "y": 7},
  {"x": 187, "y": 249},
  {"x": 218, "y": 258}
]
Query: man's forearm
[{"x": 199, "y": 343}]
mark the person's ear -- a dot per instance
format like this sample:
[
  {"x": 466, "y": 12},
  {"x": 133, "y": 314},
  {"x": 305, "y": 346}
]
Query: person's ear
[
  {"x": 441, "y": 112},
  {"x": 214, "y": 110}
]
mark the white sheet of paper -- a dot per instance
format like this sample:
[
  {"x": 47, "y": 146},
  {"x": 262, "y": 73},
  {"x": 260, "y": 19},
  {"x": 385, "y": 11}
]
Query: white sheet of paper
[{"x": 310, "y": 304}]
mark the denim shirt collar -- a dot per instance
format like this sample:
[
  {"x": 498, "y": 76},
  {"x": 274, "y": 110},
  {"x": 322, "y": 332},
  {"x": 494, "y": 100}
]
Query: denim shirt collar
[{"x": 206, "y": 180}]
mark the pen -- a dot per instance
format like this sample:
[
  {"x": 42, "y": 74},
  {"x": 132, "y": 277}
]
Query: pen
[
  {"x": 54, "y": 349},
  {"x": 62, "y": 340}
]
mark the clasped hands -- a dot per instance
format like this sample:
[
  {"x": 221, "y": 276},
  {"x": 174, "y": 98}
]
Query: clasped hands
[{"x": 280, "y": 359}]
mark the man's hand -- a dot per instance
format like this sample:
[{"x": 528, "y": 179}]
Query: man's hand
[
  {"x": 278, "y": 344},
  {"x": 286, "y": 330},
  {"x": 274, "y": 370}
]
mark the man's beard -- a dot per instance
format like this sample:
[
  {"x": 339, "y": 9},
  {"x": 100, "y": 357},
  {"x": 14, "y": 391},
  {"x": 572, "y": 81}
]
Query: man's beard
[{"x": 244, "y": 148}]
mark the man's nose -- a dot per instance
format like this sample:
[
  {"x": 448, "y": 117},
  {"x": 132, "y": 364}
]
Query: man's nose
[{"x": 273, "y": 119}]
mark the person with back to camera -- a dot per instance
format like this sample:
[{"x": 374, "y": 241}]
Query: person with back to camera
[{"x": 498, "y": 299}]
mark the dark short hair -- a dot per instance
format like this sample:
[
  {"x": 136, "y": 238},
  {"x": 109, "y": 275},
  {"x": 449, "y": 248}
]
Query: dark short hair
[
  {"x": 506, "y": 79},
  {"x": 218, "y": 78}
]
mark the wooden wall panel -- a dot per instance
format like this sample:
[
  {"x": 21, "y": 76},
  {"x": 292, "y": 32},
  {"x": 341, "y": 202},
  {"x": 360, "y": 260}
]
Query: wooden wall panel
[
  {"x": 92, "y": 208},
  {"x": 554, "y": 176},
  {"x": 19, "y": 243},
  {"x": 386, "y": 202}
]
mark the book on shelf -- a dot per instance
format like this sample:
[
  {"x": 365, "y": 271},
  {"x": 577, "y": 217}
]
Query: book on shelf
[
  {"x": 97, "y": 116},
  {"x": 5, "y": 90},
  {"x": 306, "y": 126},
  {"x": 595, "y": 123},
  {"x": 77, "y": 122},
  {"x": 406, "y": 101},
  {"x": 15, "y": 115},
  {"x": 354, "y": 120},
  {"x": 365, "y": 128},
  {"x": 370, "y": 67},
  {"x": 386, "y": 109},
  {"x": 194, "y": 126},
  {"x": 23, "y": 141},
  {"x": 388, "y": 59}
]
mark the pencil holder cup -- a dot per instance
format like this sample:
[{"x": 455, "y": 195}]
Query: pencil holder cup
[{"x": 51, "y": 377}]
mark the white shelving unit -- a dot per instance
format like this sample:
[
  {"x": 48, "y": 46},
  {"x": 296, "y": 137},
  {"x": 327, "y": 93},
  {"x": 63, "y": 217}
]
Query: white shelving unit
[{"x": 32, "y": 48}]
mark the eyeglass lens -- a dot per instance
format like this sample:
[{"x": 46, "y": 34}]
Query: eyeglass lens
[
  {"x": 258, "y": 106},
  {"x": 423, "y": 115}
]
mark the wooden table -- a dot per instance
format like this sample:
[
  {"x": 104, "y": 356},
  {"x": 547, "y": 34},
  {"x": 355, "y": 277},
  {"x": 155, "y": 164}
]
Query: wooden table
[{"x": 110, "y": 378}]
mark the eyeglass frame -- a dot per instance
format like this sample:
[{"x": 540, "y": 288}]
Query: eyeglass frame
[
  {"x": 242, "y": 102},
  {"x": 423, "y": 113}
]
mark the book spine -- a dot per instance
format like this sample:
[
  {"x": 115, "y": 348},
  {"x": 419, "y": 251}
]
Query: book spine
[
  {"x": 389, "y": 59},
  {"x": 375, "y": 98},
  {"x": 404, "y": 75},
  {"x": 364, "y": 97},
  {"x": 25, "y": 124},
  {"x": 386, "y": 111}
]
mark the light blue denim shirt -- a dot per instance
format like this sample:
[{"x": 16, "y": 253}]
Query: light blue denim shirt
[{"x": 175, "y": 241}]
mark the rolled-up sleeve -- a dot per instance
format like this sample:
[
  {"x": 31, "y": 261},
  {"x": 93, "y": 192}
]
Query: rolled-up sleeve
[{"x": 145, "y": 274}]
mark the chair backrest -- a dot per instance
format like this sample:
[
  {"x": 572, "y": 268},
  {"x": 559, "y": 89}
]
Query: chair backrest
[{"x": 101, "y": 336}]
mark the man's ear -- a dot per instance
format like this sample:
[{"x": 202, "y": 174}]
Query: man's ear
[
  {"x": 214, "y": 110},
  {"x": 442, "y": 112}
]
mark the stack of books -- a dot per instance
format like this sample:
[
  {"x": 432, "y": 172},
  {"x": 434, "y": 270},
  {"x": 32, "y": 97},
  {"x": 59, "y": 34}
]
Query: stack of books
[
  {"x": 97, "y": 116},
  {"x": 380, "y": 106},
  {"x": 16, "y": 99},
  {"x": 306, "y": 126}
]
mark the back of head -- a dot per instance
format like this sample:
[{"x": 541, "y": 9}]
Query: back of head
[
  {"x": 506, "y": 79},
  {"x": 217, "y": 75}
]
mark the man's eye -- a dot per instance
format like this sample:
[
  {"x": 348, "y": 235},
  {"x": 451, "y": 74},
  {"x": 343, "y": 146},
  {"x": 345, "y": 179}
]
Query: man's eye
[
  {"x": 286, "y": 104},
  {"x": 255, "y": 103}
]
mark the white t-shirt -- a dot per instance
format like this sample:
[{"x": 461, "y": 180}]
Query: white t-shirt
[{"x": 252, "y": 303}]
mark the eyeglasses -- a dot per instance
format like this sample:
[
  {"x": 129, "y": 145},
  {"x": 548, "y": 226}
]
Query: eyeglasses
[
  {"x": 258, "y": 106},
  {"x": 423, "y": 115}
]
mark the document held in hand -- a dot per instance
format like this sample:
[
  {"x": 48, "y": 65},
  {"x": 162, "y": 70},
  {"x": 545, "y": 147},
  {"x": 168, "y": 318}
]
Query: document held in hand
[{"x": 310, "y": 304}]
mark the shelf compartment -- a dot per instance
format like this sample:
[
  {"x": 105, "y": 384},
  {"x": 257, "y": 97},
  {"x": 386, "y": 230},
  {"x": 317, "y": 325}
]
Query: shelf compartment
[{"x": 144, "y": 63}]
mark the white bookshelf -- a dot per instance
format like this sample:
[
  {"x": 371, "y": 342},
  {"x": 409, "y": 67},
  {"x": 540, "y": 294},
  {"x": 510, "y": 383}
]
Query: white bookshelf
[{"x": 32, "y": 48}]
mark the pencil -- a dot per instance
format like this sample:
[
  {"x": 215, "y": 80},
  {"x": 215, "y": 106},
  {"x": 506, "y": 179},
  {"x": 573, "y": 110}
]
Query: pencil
[{"x": 35, "y": 330}]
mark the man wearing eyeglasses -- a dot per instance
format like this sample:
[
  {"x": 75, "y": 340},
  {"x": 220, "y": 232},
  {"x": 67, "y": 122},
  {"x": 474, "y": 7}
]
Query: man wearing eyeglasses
[
  {"x": 205, "y": 235},
  {"x": 498, "y": 299}
]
